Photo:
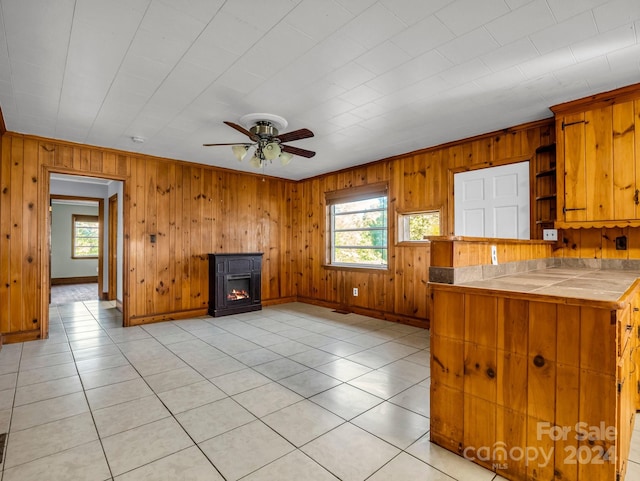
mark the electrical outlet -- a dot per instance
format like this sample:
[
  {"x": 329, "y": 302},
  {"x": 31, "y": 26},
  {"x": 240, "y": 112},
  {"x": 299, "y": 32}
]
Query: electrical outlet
[
  {"x": 550, "y": 234},
  {"x": 355, "y": 292},
  {"x": 494, "y": 255},
  {"x": 621, "y": 243}
]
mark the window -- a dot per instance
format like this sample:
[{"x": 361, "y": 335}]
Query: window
[
  {"x": 417, "y": 226},
  {"x": 85, "y": 236},
  {"x": 358, "y": 226}
]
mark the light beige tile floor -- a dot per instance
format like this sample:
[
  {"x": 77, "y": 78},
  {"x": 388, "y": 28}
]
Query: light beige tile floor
[{"x": 292, "y": 392}]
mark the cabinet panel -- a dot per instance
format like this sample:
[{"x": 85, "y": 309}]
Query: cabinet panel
[
  {"x": 511, "y": 430},
  {"x": 598, "y": 125},
  {"x": 624, "y": 168},
  {"x": 567, "y": 416},
  {"x": 635, "y": 349},
  {"x": 447, "y": 422},
  {"x": 594, "y": 458},
  {"x": 480, "y": 371},
  {"x": 479, "y": 429},
  {"x": 556, "y": 382},
  {"x": 448, "y": 309},
  {"x": 626, "y": 410},
  {"x": 598, "y": 155},
  {"x": 447, "y": 362},
  {"x": 574, "y": 166}
]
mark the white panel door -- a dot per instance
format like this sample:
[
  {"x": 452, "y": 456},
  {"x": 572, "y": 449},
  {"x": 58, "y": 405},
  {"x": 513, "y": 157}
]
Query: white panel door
[{"x": 493, "y": 202}]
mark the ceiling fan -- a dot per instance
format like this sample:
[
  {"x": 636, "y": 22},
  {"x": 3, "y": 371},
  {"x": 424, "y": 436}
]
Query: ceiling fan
[{"x": 264, "y": 132}]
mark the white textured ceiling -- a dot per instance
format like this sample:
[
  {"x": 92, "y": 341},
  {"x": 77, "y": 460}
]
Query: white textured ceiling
[{"x": 370, "y": 78}]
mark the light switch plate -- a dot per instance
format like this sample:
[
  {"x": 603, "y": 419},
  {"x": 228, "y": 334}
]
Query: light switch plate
[
  {"x": 494, "y": 255},
  {"x": 550, "y": 234}
]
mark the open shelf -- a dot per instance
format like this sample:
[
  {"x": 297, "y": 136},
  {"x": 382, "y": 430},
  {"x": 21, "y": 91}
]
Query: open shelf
[
  {"x": 543, "y": 172},
  {"x": 546, "y": 173},
  {"x": 546, "y": 148},
  {"x": 547, "y": 197}
]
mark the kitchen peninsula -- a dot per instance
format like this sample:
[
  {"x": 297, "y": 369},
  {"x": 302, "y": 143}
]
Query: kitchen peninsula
[{"x": 533, "y": 374}]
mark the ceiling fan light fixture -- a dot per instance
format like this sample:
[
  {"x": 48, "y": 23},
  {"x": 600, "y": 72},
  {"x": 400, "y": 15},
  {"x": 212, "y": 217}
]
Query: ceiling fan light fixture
[
  {"x": 285, "y": 158},
  {"x": 271, "y": 150},
  {"x": 240, "y": 151},
  {"x": 255, "y": 161},
  {"x": 266, "y": 141}
]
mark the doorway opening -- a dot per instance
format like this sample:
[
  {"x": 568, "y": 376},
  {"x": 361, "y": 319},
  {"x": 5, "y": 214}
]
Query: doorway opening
[
  {"x": 76, "y": 248},
  {"x": 85, "y": 239}
]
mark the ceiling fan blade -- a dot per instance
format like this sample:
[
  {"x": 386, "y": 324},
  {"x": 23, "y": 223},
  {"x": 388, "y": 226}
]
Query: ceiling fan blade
[
  {"x": 297, "y": 151},
  {"x": 242, "y": 130},
  {"x": 235, "y": 143},
  {"x": 295, "y": 135}
]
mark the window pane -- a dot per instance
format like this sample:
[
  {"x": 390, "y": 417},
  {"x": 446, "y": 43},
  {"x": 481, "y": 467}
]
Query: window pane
[
  {"x": 359, "y": 232},
  {"x": 88, "y": 251},
  {"x": 421, "y": 225},
  {"x": 86, "y": 241},
  {"x": 85, "y": 236},
  {"x": 361, "y": 220},
  {"x": 361, "y": 256},
  {"x": 376, "y": 238},
  {"x": 375, "y": 203}
]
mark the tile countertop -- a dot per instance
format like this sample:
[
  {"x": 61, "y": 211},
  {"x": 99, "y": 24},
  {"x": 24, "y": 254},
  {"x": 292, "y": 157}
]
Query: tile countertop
[{"x": 609, "y": 285}]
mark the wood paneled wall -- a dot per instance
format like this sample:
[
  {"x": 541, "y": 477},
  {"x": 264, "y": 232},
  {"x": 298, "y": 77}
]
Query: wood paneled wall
[
  {"x": 598, "y": 243},
  {"x": 476, "y": 252},
  {"x": 417, "y": 181},
  {"x": 192, "y": 209},
  {"x": 195, "y": 209},
  {"x": 20, "y": 284}
]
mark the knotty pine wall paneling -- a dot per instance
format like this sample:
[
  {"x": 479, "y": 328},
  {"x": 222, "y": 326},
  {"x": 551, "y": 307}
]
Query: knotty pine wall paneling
[
  {"x": 194, "y": 209},
  {"x": 5, "y": 232},
  {"x": 19, "y": 250},
  {"x": 598, "y": 243},
  {"x": 417, "y": 181},
  {"x": 191, "y": 209}
]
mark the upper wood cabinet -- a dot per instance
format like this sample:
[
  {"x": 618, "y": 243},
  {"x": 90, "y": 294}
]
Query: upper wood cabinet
[{"x": 598, "y": 160}]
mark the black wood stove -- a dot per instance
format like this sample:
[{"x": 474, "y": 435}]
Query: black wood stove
[{"x": 234, "y": 283}]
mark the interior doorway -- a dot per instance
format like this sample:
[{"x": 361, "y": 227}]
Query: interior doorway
[
  {"x": 91, "y": 253},
  {"x": 77, "y": 251}
]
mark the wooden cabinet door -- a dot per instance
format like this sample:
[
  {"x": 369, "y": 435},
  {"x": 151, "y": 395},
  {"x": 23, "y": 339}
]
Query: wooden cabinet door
[
  {"x": 598, "y": 154},
  {"x": 572, "y": 163},
  {"x": 626, "y": 410},
  {"x": 635, "y": 350},
  {"x": 624, "y": 162},
  {"x": 598, "y": 127}
]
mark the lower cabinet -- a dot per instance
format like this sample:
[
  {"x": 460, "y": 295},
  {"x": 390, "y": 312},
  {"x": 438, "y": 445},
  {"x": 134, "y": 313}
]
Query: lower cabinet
[{"x": 534, "y": 389}]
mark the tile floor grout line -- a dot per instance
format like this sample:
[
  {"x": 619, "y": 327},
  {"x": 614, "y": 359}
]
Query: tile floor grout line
[
  {"x": 14, "y": 407},
  {"x": 171, "y": 414},
  {"x": 103, "y": 328},
  {"x": 307, "y": 398},
  {"x": 86, "y": 398},
  {"x": 8, "y": 437}
]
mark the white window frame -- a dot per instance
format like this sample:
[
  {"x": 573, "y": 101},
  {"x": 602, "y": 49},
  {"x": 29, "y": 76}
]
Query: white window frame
[
  {"x": 370, "y": 191},
  {"x": 403, "y": 225},
  {"x": 83, "y": 218}
]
